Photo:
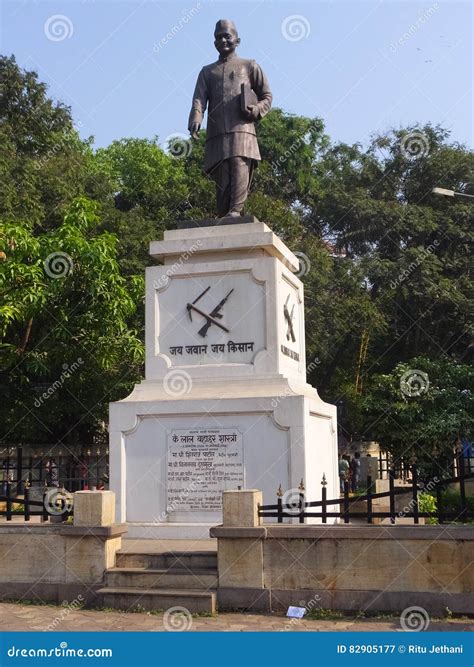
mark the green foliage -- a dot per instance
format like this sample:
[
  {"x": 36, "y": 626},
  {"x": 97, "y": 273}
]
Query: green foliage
[
  {"x": 43, "y": 163},
  {"x": 417, "y": 414},
  {"x": 427, "y": 503},
  {"x": 386, "y": 265},
  {"x": 451, "y": 501},
  {"x": 67, "y": 348}
]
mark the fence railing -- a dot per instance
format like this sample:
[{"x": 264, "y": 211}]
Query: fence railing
[
  {"x": 75, "y": 472},
  {"x": 362, "y": 506},
  {"x": 55, "y": 502}
]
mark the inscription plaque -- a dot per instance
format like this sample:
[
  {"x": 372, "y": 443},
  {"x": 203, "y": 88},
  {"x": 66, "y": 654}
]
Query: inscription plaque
[{"x": 201, "y": 464}]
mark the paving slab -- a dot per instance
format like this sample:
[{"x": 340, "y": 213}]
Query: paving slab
[{"x": 21, "y": 617}]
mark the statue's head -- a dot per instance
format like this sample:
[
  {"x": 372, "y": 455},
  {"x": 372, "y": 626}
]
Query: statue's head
[{"x": 226, "y": 38}]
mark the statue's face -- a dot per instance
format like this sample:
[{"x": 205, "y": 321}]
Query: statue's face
[{"x": 225, "y": 41}]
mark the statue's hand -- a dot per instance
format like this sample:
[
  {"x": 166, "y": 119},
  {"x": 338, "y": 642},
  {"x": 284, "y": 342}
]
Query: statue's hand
[
  {"x": 194, "y": 130},
  {"x": 252, "y": 112}
]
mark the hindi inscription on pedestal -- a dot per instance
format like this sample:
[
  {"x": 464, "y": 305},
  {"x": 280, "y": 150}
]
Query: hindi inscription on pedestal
[{"x": 201, "y": 464}]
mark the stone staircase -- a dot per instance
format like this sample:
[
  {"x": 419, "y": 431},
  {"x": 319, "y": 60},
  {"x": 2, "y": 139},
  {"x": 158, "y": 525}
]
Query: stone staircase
[{"x": 159, "y": 581}]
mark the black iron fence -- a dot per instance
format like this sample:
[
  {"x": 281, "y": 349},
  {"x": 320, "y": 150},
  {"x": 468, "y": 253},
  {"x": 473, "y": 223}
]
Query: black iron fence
[
  {"x": 402, "y": 501},
  {"x": 50, "y": 502},
  {"x": 50, "y": 466}
]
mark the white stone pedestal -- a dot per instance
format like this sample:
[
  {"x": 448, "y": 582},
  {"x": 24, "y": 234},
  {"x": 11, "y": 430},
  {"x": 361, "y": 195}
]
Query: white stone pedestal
[{"x": 225, "y": 403}]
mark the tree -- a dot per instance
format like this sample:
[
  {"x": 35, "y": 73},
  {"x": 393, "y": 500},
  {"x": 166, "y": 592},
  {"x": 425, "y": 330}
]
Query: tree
[
  {"x": 420, "y": 409},
  {"x": 67, "y": 347},
  {"x": 386, "y": 265},
  {"x": 43, "y": 163}
]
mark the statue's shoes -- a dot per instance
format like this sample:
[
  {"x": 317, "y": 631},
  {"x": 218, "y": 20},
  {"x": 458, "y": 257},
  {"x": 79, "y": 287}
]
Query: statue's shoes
[{"x": 232, "y": 214}]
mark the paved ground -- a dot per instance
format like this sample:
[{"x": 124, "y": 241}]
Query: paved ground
[{"x": 15, "y": 617}]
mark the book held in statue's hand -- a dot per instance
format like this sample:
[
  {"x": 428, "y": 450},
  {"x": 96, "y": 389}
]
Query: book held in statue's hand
[{"x": 247, "y": 97}]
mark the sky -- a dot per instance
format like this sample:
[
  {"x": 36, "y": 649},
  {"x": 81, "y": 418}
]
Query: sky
[{"x": 128, "y": 68}]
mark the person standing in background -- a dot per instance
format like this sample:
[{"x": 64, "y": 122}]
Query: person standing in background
[
  {"x": 343, "y": 471},
  {"x": 355, "y": 472},
  {"x": 52, "y": 477}
]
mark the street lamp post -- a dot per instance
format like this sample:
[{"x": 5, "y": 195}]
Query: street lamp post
[{"x": 443, "y": 192}]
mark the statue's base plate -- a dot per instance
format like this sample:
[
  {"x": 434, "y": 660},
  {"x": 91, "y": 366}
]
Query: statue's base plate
[{"x": 217, "y": 222}]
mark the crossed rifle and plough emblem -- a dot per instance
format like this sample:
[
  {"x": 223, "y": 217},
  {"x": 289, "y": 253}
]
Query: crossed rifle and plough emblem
[{"x": 211, "y": 318}]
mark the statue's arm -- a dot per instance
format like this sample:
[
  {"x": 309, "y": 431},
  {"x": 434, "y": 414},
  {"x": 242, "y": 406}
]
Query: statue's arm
[
  {"x": 261, "y": 88},
  {"x": 198, "y": 107}
]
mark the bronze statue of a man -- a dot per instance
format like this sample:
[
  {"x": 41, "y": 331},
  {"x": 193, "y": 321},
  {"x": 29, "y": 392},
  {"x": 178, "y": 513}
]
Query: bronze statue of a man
[{"x": 236, "y": 93}]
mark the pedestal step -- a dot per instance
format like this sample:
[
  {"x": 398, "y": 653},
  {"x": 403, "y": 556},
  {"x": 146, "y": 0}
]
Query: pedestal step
[
  {"x": 167, "y": 560},
  {"x": 174, "y": 578},
  {"x": 170, "y": 531},
  {"x": 161, "y": 581},
  {"x": 154, "y": 599}
]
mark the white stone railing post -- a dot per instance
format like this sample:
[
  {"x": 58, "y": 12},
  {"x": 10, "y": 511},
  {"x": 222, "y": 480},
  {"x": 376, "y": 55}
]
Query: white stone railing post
[
  {"x": 240, "y": 508},
  {"x": 94, "y": 508}
]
